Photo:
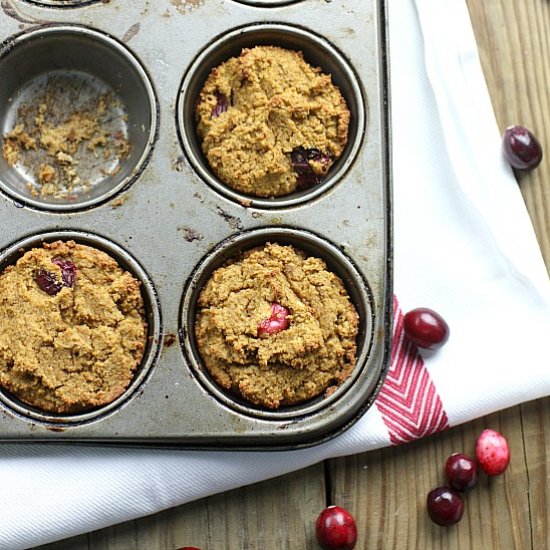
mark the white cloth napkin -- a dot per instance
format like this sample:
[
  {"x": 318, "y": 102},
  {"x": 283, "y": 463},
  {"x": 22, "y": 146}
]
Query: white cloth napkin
[{"x": 464, "y": 246}]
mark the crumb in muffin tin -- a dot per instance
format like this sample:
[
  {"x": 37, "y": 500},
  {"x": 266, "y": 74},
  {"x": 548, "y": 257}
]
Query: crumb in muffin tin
[{"x": 63, "y": 135}]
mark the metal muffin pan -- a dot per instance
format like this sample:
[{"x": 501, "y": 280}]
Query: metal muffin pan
[{"x": 166, "y": 218}]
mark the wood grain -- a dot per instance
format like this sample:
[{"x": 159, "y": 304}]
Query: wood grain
[{"x": 386, "y": 489}]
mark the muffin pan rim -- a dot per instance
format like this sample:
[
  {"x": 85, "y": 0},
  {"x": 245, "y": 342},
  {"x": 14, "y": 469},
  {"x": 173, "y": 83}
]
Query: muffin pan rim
[
  {"x": 267, "y": 3},
  {"x": 61, "y": 4}
]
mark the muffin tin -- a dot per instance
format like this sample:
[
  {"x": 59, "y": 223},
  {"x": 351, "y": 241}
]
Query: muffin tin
[{"x": 163, "y": 215}]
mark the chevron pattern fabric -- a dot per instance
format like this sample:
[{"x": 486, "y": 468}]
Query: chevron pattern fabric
[{"x": 408, "y": 401}]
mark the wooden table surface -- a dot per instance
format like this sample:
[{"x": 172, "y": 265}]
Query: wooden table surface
[{"x": 386, "y": 489}]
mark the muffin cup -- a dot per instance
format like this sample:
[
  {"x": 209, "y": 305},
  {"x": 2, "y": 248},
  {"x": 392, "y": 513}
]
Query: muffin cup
[
  {"x": 318, "y": 52},
  {"x": 312, "y": 245},
  {"x": 10, "y": 255},
  {"x": 86, "y": 72}
]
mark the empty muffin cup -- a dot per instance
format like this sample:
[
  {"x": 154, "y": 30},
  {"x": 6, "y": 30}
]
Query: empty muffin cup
[
  {"x": 81, "y": 327},
  {"x": 297, "y": 159},
  {"x": 78, "y": 117},
  {"x": 310, "y": 320}
]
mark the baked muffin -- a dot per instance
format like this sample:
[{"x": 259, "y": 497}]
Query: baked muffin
[
  {"x": 72, "y": 328},
  {"x": 270, "y": 123},
  {"x": 276, "y": 327}
]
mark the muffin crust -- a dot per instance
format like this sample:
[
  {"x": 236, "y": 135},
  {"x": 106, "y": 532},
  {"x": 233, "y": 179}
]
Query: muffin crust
[
  {"x": 267, "y": 115},
  {"x": 76, "y": 348},
  {"x": 315, "y": 354}
]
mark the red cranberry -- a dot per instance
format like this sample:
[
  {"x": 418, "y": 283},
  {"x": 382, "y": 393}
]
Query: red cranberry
[
  {"x": 221, "y": 105},
  {"x": 68, "y": 271},
  {"x": 425, "y": 328},
  {"x": 461, "y": 472},
  {"x": 336, "y": 529},
  {"x": 492, "y": 452},
  {"x": 306, "y": 177},
  {"x": 276, "y": 323},
  {"x": 48, "y": 282},
  {"x": 445, "y": 506},
  {"x": 521, "y": 148}
]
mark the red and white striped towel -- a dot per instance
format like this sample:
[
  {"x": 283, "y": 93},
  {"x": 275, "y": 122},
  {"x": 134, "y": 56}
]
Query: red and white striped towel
[{"x": 464, "y": 246}]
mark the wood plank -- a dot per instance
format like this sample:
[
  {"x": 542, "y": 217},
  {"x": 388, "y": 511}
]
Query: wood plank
[
  {"x": 536, "y": 434},
  {"x": 514, "y": 44},
  {"x": 386, "y": 491}
]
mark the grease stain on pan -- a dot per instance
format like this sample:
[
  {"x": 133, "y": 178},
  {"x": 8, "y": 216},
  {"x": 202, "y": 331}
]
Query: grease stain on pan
[
  {"x": 185, "y": 6},
  {"x": 11, "y": 11},
  {"x": 190, "y": 234},
  {"x": 131, "y": 32},
  {"x": 169, "y": 340},
  {"x": 233, "y": 221}
]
